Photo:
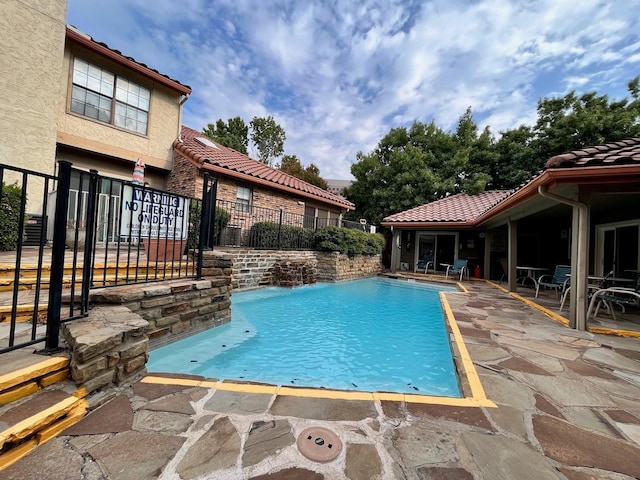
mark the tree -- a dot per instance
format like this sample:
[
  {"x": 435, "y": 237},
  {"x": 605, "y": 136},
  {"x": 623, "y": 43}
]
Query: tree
[
  {"x": 576, "y": 121},
  {"x": 291, "y": 164},
  {"x": 233, "y": 134},
  {"x": 268, "y": 137}
]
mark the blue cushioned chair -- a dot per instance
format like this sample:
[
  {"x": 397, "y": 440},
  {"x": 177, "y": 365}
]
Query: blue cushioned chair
[
  {"x": 424, "y": 264},
  {"x": 458, "y": 267},
  {"x": 558, "y": 281}
]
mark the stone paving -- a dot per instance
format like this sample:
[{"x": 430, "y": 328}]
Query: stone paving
[{"x": 567, "y": 408}]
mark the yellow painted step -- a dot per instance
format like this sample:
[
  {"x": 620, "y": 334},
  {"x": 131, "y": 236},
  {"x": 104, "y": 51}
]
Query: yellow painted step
[{"x": 32, "y": 372}]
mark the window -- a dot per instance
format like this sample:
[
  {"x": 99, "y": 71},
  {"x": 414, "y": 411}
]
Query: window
[
  {"x": 99, "y": 94},
  {"x": 243, "y": 199}
]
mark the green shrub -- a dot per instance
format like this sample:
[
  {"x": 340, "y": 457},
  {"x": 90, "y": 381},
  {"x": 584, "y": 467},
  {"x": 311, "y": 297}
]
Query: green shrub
[
  {"x": 348, "y": 241},
  {"x": 270, "y": 235},
  {"x": 195, "y": 216},
  {"x": 10, "y": 216}
]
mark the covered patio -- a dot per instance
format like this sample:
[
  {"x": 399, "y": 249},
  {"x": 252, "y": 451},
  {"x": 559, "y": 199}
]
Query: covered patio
[{"x": 581, "y": 211}]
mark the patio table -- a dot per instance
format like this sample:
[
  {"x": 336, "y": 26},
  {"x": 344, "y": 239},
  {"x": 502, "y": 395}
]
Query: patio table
[{"x": 531, "y": 274}]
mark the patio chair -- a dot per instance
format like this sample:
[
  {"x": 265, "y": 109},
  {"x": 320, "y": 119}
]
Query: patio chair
[
  {"x": 558, "y": 281},
  {"x": 620, "y": 296},
  {"x": 424, "y": 264},
  {"x": 458, "y": 267}
]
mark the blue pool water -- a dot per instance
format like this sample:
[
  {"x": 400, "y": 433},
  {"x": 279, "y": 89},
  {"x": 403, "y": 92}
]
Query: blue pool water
[{"x": 368, "y": 335}]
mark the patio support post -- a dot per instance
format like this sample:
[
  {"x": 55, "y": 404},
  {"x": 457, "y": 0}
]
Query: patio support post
[
  {"x": 579, "y": 256},
  {"x": 486, "y": 269},
  {"x": 395, "y": 250},
  {"x": 512, "y": 254}
]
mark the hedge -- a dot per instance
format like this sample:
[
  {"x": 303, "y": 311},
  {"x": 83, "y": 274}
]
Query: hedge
[
  {"x": 10, "y": 216},
  {"x": 348, "y": 241}
]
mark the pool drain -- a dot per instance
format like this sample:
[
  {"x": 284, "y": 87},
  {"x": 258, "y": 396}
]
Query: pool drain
[{"x": 319, "y": 444}]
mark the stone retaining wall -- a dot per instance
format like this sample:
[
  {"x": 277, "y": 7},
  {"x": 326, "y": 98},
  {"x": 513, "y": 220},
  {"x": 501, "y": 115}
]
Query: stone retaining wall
[
  {"x": 336, "y": 267},
  {"x": 174, "y": 309},
  {"x": 256, "y": 268},
  {"x": 109, "y": 347}
]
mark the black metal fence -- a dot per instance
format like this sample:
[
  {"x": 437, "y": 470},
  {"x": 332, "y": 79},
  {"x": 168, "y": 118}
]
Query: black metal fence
[
  {"x": 103, "y": 232},
  {"x": 241, "y": 225}
]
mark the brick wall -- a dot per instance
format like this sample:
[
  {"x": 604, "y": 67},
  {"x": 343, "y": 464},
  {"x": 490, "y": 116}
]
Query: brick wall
[{"x": 184, "y": 178}]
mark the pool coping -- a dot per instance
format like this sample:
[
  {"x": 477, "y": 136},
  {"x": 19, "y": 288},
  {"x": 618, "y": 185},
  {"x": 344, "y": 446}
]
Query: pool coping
[{"x": 464, "y": 366}]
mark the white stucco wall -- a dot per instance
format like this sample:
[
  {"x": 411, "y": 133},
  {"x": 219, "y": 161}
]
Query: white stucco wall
[{"x": 31, "y": 62}]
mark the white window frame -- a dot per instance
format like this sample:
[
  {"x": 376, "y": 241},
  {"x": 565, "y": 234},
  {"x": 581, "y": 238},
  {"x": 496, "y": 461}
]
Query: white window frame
[
  {"x": 99, "y": 94},
  {"x": 243, "y": 199}
]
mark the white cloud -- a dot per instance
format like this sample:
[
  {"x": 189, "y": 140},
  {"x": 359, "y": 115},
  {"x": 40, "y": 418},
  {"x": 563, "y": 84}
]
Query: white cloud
[{"x": 338, "y": 75}]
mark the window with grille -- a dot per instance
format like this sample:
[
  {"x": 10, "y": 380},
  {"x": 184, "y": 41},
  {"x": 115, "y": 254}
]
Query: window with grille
[{"x": 98, "y": 93}]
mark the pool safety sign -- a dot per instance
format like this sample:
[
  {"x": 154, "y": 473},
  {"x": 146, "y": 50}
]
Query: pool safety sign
[{"x": 153, "y": 214}]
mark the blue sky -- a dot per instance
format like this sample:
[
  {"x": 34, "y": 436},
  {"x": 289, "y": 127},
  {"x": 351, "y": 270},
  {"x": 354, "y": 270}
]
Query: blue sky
[{"x": 338, "y": 75}]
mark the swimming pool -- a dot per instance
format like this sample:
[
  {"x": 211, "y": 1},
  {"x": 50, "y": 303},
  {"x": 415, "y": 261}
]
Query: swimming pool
[{"x": 368, "y": 335}]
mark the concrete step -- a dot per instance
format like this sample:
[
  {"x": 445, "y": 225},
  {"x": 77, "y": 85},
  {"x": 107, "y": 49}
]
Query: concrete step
[
  {"x": 37, "y": 403},
  {"x": 103, "y": 274}
]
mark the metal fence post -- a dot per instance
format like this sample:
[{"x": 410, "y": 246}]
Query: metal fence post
[
  {"x": 57, "y": 257},
  {"x": 87, "y": 262},
  {"x": 205, "y": 211},
  {"x": 280, "y": 229}
]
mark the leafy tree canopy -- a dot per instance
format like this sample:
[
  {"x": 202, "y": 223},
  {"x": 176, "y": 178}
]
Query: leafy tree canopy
[
  {"x": 416, "y": 165},
  {"x": 291, "y": 164},
  {"x": 268, "y": 137},
  {"x": 233, "y": 134}
]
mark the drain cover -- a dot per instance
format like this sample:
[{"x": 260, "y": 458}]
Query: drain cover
[{"x": 319, "y": 444}]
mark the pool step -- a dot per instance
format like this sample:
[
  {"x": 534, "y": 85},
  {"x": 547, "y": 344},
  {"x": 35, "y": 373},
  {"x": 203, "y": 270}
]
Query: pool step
[{"x": 38, "y": 402}]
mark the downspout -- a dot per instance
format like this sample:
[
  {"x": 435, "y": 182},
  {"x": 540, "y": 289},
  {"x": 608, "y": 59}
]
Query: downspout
[
  {"x": 579, "y": 274},
  {"x": 180, "y": 103}
]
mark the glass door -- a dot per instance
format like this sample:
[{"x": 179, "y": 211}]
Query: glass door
[
  {"x": 617, "y": 248},
  {"x": 441, "y": 245}
]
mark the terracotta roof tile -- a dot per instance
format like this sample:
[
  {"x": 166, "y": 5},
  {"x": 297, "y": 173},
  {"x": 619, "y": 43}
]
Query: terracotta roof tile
[
  {"x": 239, "y": 165},
  {"x": 103, "y": 49},
  {"x": 622, "y": 152},
  {"x": 457, "y": 208}
]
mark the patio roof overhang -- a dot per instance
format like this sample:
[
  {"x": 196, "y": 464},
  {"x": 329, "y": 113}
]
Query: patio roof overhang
[{"x": 526, "y": 201}]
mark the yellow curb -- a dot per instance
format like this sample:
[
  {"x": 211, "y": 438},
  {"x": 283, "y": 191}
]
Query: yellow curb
[
  {"x": 614, "y": 331},
  {"x": 186, "y": 382},
  {"x": 321, "y": 393},
  {"x": 25, "y": 374},
  {"x": 246, "y": 388},
  {"x": 18, "y": 393},
  {"x": 16, "y": 453},
  {"x": 388, "y": 396},
  {"x": 477, "y": 392}
]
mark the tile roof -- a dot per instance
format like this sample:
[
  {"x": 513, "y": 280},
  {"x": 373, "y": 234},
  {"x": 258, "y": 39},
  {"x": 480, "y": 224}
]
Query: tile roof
[
  {"x": 457, "y": 208},
  {"x": 104, "y": 50},
  {"x": 622, "y": 152},
  {"x": 240, "y": 166}
]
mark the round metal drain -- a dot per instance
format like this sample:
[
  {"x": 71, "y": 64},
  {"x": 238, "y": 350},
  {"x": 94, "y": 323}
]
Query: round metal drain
[{"x": 319, "y": 444}]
